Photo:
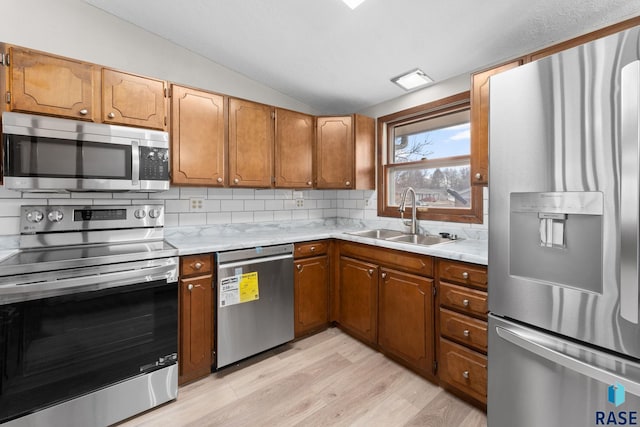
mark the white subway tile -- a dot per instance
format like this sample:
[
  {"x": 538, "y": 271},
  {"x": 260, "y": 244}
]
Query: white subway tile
[
  {"x": 254, "y": 205},
  {"x": 241, "y": 217},
  {"x": 266, "y": 194},
  {"x": 188, "y": 192},
  {"x": 9, "y": 225},
  {"x": 212, "y": 205},
  {"x": 115, "y": 202},
  {"x": 9, "y": 194},
  {"x": 232, "y": 205},
  {"x": 177, "y": 206},
  {"x": 323, "y": 204},
  {"x": 220, "y": 193},
  {"x": 282, "y": 215},
  {"x": 47, "y": 195},
  {"x": 349, "y": 204},
  {"x": 187, "y": 219},
  {"x": 274, "y": 205},
  {"x": 330, "y": 194},
  {"x": 356, "y": 194},
  {"x": 136, "y": 196},
  {"x": 219, "y": 218},
  {"x": 300, "y": 214},
  {"x": 244, "y": 193},
  {"x": 263, "y": 216},
  {"x": 171, "y": 220},
  {"x": 342, "y": 194},
  {"x": 316, "y": 213},
  {"x": 290, "y": 204},
  {"x": 283, "y": 194},
  {"x": 342, "y": 213},
  {"x": 11, "y": 207},
  {"x": 91, "y": 195},
  {"x": 171, "y": 193},
  {"x": 356, "y": 214}
]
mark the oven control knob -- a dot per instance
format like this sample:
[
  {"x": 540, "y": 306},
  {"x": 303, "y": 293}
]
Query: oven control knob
[
  {"x": 139, "y": 213},
  {"x": 34, "y": 216},
  {"x": 154, "y": 213},
  {"x": 55, "y": 216}
]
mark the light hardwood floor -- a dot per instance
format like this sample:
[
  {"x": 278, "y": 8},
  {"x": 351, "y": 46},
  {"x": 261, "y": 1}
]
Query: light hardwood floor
[{"x": 328, "y": 379}]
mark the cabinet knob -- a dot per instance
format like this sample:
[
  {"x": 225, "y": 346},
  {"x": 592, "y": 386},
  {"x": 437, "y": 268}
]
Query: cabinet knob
[
  {"x": 312, "y": 249},
  {"x": 370, "y": 271},
  {"x": 190, "y": 287},
  {"x": 466, "y": 333},
  {"x": 465, "y": 302},
  {"x": 308, "y": 182},
  {"x": 111, "y": 115},
  {"x": 465, "y": 275},
  {"x": 478, "y": 176},
  {"x": 197, "y": 265},
  {"x": 219, "y": 179},
  {"x": 84, "y": 112},
  {"x": 384, "y": 275},
  {"x": 299, "y": 267},
  {"x": 465, "y": 375},
  {"x": 347, "y": 183},
  {"x": 236, "y": 180}
]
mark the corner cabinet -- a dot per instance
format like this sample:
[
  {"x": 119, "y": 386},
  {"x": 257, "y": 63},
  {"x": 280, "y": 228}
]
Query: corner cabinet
[
  {"x": 311, "y": 287},
  {"x": 293, "y": 151},
  {"x": 251, "y": 136},
  {"x": 480, "y": 121},
  {"x": 198, "y": 144},
  {"x": 196, "y": 317},
  {"x": 462, "y": 319},
  {"x": 386, "y": 300},
  {"x": 345, "y": 152}
]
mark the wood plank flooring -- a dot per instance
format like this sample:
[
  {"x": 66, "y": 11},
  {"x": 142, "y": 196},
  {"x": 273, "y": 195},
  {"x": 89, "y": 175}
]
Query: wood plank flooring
[{"x": 328, "y": 379}]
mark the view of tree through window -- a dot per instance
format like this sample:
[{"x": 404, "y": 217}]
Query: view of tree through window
[{"x": 433, "y": 157}]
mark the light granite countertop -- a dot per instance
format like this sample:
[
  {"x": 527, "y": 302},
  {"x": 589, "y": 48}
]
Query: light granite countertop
[{"x": 194, "y": 240}]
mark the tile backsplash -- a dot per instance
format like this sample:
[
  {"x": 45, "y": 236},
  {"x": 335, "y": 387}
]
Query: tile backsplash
[{"x": 196, "y": 206}]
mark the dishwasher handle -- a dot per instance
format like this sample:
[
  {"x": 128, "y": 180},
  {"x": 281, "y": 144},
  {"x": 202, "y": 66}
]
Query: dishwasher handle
[{"x": 252, "y": 261}]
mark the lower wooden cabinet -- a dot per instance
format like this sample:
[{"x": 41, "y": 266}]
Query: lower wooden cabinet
[
  {"x": 311, "y": 295},
  {"x": 196, "y": 319},
  {"x": 405, "y": 316},
  {"x": 358, "y": 312}
]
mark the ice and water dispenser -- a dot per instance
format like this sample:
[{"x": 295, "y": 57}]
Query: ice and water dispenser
[{"x": 556, "y": 238}]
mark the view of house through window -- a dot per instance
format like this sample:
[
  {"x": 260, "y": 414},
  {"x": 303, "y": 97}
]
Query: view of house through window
[
  {"x": 432, "y": 156},
  {"x": 429, "y": 149}
]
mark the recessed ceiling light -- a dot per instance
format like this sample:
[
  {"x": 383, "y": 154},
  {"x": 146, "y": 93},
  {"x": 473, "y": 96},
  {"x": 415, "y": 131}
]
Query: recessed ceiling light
[
  {"x": 412, "y": 80},
  {"x": 353, "y": 3}
]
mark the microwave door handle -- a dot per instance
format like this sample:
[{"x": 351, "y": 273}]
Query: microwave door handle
[
  {"x": 580, "y": 366},
  {"x": 629, "y": 186},
  {"x": 135, "y": 163}
]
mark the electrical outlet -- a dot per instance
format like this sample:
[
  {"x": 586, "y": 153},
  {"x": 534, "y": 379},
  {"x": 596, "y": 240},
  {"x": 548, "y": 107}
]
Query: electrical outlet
[
  {"x": 299, "y": 203},
  {"x": 366, "y": 202},
  {"x": 196, "y": 204}
]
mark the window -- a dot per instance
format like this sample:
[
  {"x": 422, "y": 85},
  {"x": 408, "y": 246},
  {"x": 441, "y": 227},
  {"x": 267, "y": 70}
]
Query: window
[{"x": 429, "y": 148}]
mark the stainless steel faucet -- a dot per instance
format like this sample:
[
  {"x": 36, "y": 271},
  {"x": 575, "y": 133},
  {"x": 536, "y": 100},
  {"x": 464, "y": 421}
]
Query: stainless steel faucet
[{"x": 414, "y": 220}]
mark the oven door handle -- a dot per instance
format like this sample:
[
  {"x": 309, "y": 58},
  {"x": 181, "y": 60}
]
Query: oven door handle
[{"x": 94, "y": 282}]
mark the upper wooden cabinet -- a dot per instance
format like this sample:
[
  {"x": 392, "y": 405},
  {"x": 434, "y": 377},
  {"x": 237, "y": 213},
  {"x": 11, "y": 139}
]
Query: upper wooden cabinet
[
  {"x": 132, "y": 100},
  {"x": 345, "y": 152},
  {"x": 294, "y": 136},
  {"x": 251, "y": 136},
  {"x": 198, "y": 145},
  {"x": 48, "y": 84},
  {"x": 52, "y": 85},
  {"x": 480, "y": 122}
]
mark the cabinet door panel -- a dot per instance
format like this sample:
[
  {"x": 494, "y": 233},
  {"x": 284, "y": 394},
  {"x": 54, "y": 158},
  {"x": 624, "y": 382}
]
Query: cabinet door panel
[
  {"x": 334, "y": 152},
  {"x": 197, "y": 137},
  {"x": 195, "y": 327},
  {"x": 359, "y": 298},
  {"x": 406, "y": 317},
  {"x": 311, "y": 294},
  {"x": 132, "y": 100},
  {"x": 293, "y": 149},
  {"x": 47, "y": 84},
  {"x": 250, "y": 144}
]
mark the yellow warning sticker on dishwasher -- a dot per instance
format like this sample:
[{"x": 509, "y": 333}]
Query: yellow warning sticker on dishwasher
[{"x": 239, "y": 288}]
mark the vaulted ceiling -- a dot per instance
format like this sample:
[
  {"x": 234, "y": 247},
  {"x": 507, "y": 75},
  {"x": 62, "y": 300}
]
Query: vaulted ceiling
[{"x": 338, "y": 60}]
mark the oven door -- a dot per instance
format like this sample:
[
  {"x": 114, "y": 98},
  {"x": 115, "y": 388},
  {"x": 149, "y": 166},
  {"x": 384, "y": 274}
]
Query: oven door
[{"x": 82, "y": 339}]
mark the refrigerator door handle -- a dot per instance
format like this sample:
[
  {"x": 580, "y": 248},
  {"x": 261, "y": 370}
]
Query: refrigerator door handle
[
  {"x": 569, "y": 362},
  {"x": 629, "y": 186}
]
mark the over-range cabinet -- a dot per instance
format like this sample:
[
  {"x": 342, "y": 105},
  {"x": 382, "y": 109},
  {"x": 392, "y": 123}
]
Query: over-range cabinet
[{"x": 564, "y": 337}]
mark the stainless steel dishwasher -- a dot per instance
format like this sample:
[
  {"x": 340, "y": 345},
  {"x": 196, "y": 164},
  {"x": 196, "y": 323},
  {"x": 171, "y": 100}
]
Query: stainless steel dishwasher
[{"x": 254, "y": 301}]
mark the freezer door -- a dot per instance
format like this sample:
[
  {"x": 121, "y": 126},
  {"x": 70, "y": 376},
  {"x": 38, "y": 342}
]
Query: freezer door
[
  {"x": 564, "y": 193},
  {"x": 538, "y": 380}
]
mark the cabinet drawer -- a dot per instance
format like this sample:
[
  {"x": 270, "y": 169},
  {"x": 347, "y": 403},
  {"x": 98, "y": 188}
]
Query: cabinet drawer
[
  {"x": 464, "y": 329},
  {"x": 306, "y": 249},
  {"x": 463, "y": 273},
  {"x": 196, "y": 264},
  {"x": 405, "y": 261},
  {"x": 463, "y": 299},
  {"x": 463, "y": 369}
]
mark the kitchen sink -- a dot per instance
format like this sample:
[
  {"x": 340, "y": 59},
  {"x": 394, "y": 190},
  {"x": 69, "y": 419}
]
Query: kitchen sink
[
  {"x": 380, "y": 233},
  {"x": 399, "y": 236},
  {"x": 419, "y": 239}
]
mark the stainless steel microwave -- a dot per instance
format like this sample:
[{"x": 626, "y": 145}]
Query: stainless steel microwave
[{"x": 46, "y": 154}]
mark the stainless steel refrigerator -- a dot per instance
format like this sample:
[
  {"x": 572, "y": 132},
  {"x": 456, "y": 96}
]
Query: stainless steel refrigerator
[{"x": 564, "y": 208}]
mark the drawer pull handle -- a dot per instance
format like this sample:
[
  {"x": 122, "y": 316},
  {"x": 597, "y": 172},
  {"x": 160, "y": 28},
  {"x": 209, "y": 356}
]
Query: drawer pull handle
[
  {"x": 219, "y": 179},
  {"x": 308, "y": 182},
  {"x": 197, "y": 265},
  {"x": 478, "y": 176},
  {"x": 236, "y": 180},
  {"x": 313, "y": 248},
  {"x": 465, "y": 302},
  {"x": 466, "y": 333},
  {"x": 299, "y": 267},
  {"x": 465, "y": 375},
  {"x": 111, "y": 115},
  {"x": 384, "y": 275},
  {"x": 190, "y": 287},
  {"x": 84, "y": 112},
  {"x": 348, "y": 183},
  {"x": 465, "y": 275},
  {"x": 370, "y": 271}
]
